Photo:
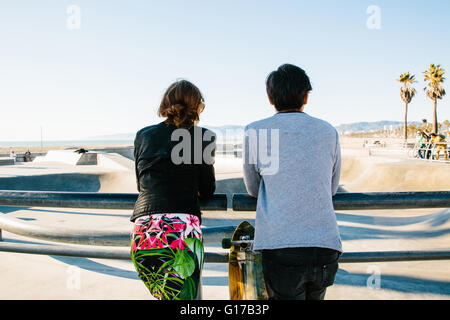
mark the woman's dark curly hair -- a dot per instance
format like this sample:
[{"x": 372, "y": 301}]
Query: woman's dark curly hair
[{"x": 181, "y": 104}]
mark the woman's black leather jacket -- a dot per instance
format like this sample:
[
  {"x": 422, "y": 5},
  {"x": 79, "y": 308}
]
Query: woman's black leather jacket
[{"x": 174, "y": 168}]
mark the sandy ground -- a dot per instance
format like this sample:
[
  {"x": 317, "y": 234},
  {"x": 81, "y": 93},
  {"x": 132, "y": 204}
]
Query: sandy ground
[{"x": 24, "y": 276}]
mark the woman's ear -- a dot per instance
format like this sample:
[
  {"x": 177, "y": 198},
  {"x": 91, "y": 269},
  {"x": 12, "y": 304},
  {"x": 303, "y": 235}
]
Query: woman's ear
[{"x": 201, "y": 107}]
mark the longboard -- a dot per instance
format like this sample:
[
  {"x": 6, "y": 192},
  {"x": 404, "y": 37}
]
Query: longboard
[{"x": 246, "y": 281}]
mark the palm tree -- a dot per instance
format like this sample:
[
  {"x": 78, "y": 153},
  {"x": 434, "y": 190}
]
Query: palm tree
[
  {"x": 406, "y": 93},
  {"x": 434, "y": 77}
]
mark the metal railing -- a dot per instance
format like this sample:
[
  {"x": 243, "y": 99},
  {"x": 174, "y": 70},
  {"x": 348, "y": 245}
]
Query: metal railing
[
  {"x": 368, "y": 200},
  {"x": 212, "y": 257},
  {"x": 89, "y": 252},
  {"x": 241, "y": 202},
  {"x": 88, "y": 200}
]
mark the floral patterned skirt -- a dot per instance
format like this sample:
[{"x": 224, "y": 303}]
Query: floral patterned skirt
[{"x": 167, "y": 252}]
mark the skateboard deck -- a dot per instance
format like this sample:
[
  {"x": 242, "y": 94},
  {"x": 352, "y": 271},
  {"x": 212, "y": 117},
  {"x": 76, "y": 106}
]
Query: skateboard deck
[{"x": 246, "y": 281}]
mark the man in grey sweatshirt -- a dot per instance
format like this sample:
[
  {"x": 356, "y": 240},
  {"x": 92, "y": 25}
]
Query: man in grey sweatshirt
[{"x": 292, "y": 165}]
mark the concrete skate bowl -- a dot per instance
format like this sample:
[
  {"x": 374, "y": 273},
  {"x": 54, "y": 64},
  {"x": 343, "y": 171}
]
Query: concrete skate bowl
[
  {"x": 372, "y": 174},
  {"x": 114, "y": 182},
  {"x": 358, "y": 174},
  {"x": 68, "y": 171}
]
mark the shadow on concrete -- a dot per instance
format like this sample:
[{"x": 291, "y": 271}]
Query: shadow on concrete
[
  {"x": 347, "y": 232},
  {"x": 53, "y": 182},
  {"x": 7, "y": 210},
  {"x": 434, "y": 219},
  {"x": 395, "y": 283},
  {"x": 214, "y": 281},
  {"x": 388, "y": 282},
  {"x": 215, "y": 222},
  {"x": 26, "y": 242},
  {"x": 26, "y": 219},
  {"x": 358, "y": 233},
  {"x": 89, "y": 265}
]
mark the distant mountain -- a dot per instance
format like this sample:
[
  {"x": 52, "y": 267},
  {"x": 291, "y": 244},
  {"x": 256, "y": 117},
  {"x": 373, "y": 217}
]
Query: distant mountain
[
  {"x": 237, "y": 131},
  {"x": 371, "y": 126},
  {"x": 226, "y": 127}
]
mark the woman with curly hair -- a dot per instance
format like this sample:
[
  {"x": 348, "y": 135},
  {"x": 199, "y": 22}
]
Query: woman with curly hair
[{"x": 174, "y": 162}]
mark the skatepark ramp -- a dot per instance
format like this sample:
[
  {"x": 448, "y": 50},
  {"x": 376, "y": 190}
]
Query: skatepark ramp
[
  {"x": 69, "y": 157},
  {"x": 115, "y": 173},
  {"x": 113, "y": 161},
  {"x": 102, "y": 182},
  {"x": 241, "y": 202},
  {"x": 362, "y": 173}
]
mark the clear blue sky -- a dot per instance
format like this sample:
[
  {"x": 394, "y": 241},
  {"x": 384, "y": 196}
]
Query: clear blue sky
[{"x": 108, "y": 76}]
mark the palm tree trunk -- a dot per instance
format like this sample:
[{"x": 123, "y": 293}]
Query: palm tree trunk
[
  {"x": 435, "y": 125},
  {"x": 406, "y": 123}
]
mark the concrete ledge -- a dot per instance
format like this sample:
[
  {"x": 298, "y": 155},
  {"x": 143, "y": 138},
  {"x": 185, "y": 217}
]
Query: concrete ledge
[{"x": 6, "y": 161}]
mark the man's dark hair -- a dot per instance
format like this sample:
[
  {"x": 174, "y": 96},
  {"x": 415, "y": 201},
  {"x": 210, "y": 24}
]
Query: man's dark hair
[{"x": 287, "y": 87}]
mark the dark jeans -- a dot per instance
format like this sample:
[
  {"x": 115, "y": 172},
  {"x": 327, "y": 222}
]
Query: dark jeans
[{"x": 299, "y": 273}]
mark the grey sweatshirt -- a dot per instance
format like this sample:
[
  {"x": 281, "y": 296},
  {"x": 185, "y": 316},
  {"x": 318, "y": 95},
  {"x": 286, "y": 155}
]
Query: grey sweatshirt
[{"x": 292, "y": 164}]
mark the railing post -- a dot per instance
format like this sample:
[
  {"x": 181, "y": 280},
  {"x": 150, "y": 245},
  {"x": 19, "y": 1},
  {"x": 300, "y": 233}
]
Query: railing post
[{"x": 1, "y": 238}]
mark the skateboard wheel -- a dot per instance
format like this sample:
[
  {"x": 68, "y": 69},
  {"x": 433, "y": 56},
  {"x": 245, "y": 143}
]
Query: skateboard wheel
[{"x": 226, "y": 243}]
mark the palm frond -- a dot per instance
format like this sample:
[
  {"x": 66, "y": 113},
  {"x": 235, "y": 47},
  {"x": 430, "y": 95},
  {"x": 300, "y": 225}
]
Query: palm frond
[{"x": 407, "y": 78}]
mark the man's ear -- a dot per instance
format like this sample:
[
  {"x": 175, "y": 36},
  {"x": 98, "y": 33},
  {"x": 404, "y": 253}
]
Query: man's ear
[
  {"x": 305, "y": 101},
  {"x": 270, "y": 101}
]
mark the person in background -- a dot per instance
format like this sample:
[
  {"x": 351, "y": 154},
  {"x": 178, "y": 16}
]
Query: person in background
[
  {"x": 13, "y": 155},
  {"x": 28, "y": 156},
  {"x": 296, "y": 228},
  {"x": 440, "y": 144},
  {"x": 172, "y": 176},
  {"x": 420, "y": 143}
]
